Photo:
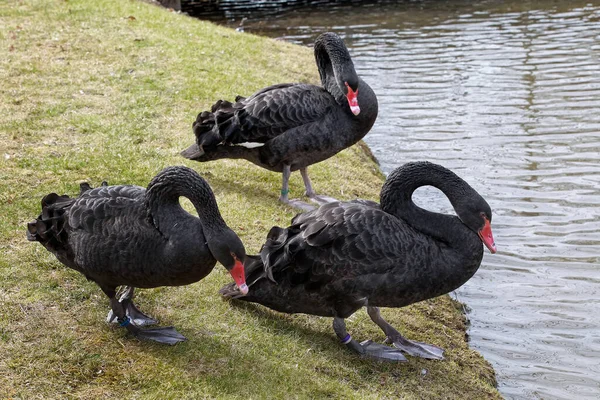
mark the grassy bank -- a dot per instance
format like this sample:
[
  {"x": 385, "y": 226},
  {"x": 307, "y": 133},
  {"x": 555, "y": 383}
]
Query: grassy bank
[{"x": 107, "y": 90}]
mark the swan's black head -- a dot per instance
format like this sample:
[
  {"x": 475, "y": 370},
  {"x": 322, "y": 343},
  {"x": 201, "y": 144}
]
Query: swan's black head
[
  {"x": 336, "y": 68},
  {"x": 229, "y": 250},
  {"x": 476, "y": 213}
]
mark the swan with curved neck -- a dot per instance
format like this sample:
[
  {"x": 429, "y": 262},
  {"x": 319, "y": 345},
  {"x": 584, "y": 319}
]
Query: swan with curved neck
[
  {"x": 336, "y": 70},
  {"x": 288, "y": 127},
  {"x": 130, "y": 236},
  {"x": 346, "y": 255}
]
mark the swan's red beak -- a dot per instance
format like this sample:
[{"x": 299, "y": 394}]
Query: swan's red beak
[
  {"x": 239, "y": 276},
  {"x": 353, "y": 100},
  {"x": 485, "y": 234}
]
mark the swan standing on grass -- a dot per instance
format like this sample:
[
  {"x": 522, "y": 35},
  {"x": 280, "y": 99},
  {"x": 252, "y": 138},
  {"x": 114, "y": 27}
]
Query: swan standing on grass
[
  {"x": 345, "y": 255},
  {"x": 289, "y": 126},
  {"x": 136, "y": 237}
]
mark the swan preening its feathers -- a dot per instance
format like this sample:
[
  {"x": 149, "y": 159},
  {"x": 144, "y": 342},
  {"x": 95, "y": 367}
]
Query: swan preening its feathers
[
  {"x": 330, "y": 261},
  {"x": 346, "y": 255},
  {"x": 297, "y": 124},
  {"x": 135, "y": 237}
]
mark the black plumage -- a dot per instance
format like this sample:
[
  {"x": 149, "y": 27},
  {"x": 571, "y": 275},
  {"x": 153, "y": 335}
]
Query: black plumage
[
  {"x": 128, "y": 235},
  {"x": 295, "y": 124},
  {"x": 346, "y": 255}
]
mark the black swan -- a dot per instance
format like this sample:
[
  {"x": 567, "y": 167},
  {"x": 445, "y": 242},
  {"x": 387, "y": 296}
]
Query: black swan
[
  {"x": 291, "y": 126},
  {"x": 136, "y": 237},
  {"x": 345, "y": 255}
]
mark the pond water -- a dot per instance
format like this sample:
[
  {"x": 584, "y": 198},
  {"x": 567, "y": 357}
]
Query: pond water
[{"x": 506, "y": 94}]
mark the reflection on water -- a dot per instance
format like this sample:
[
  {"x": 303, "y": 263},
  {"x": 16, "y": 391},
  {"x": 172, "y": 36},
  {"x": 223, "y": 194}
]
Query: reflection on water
[{"x": 507, "y": 94}]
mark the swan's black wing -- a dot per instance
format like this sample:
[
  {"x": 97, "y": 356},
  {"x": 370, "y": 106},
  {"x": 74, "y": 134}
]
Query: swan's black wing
[
  {"x": 68, "y": 227},
  {"x": 61, "y": 215},
  {"x": 264, "y": 115},
  {"x": 337, "y": 241},
  {"x": 96, "y": 210},
  {"x": 287, "y": 105}
]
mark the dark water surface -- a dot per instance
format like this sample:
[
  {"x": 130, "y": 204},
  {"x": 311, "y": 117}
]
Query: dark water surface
[{"x": 506, "y": 94}]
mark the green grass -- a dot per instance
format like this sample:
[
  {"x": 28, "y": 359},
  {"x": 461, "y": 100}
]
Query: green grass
[{"x": 107, "y": 90}]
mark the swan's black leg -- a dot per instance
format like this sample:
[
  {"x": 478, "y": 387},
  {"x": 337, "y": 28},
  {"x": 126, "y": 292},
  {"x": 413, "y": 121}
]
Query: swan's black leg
[
  {"x": 285, "y": 190},
  {"x": 417, "y": 349},
  {"x": 136, "y": 316},
  {"x": 367, "y": 348},
  {"x": 310, "y": 192},
  {"x": 166, "y": 335},
  {"x": 285, "y": 184}
]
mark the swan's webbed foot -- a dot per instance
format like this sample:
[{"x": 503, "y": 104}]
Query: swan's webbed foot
[
  {"x": 138, "y": 317},
  {"x": 298, "y": 204},
  {"x": 167, "y": 335},
  {"x": 379, "y": 351},
  {"x": 321, "y": 199},
  {"x": 416, "y": 349},
  {"x": 135, "y": 315},
  {"x": 413, "y": 348},
  {"x": 367, "y": 348},
  {"x": 310, "y": 192}
]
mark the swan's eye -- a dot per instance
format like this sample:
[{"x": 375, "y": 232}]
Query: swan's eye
[
  {"x": 350, "y": 87},
  {"x": 485, "y": 217}
]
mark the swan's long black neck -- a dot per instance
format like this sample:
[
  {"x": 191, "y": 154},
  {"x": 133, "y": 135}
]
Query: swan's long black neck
[
  {"x": 162, "y": 201},
  {"x": 396, "y": 199},
  {"x": 335, "y": 65}
]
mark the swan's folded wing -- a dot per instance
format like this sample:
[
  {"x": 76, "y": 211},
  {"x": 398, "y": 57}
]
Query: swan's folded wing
[
  {"x": 352, "y": 233},
  {"x": 278, "y": 108},
  {"x": 340, "y": 240},
  {"x": 94, "y": 208}
]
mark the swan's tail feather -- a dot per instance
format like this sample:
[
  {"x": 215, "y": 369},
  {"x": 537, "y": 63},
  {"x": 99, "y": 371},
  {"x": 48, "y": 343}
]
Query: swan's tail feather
[
  {"x": 220, "y": 125},
  {"x": 204, "y": 130},
  {"x": 223, "y": 151},
  {"x": 48, "y": 228}
]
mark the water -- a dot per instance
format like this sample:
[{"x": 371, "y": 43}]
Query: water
[{"x": 506, "y": 94}]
